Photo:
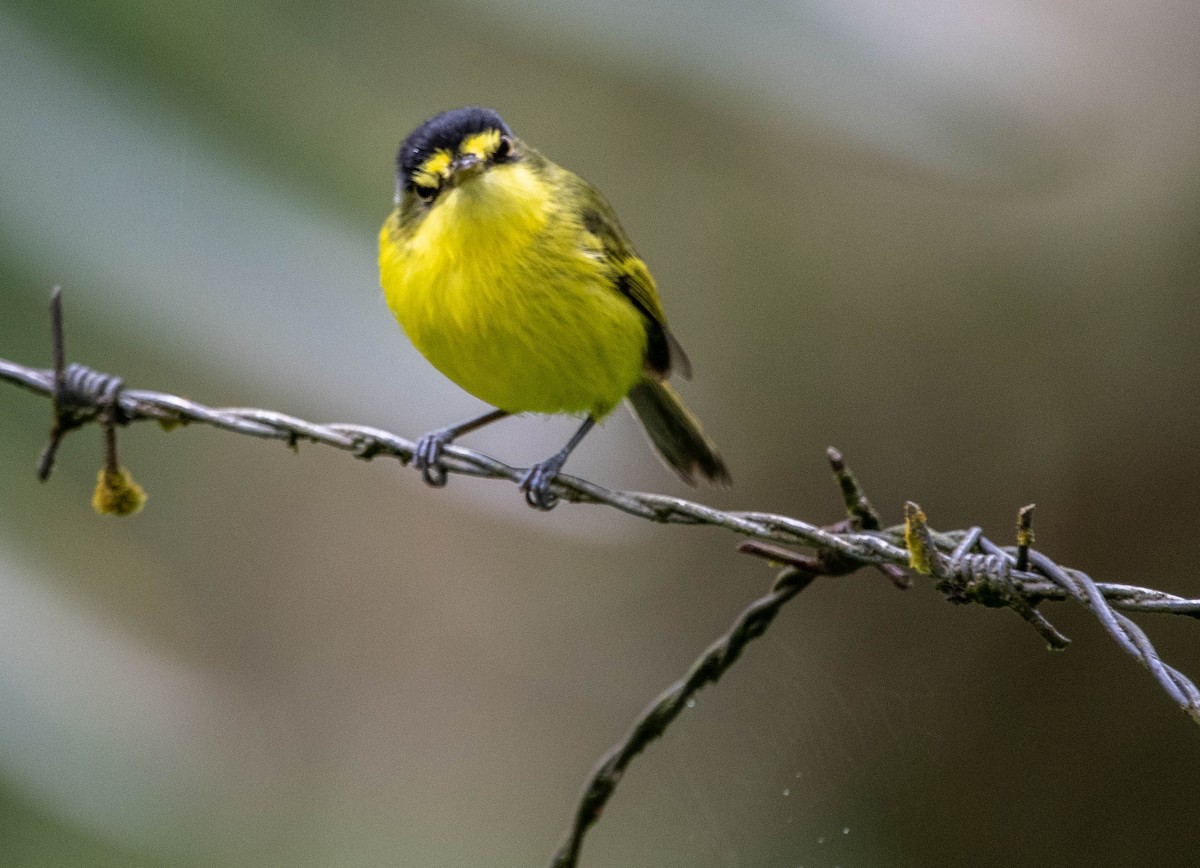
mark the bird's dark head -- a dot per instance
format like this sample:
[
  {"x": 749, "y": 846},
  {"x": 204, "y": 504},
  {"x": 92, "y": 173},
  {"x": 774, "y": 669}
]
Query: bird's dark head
[{"x": 450, "y": 148}]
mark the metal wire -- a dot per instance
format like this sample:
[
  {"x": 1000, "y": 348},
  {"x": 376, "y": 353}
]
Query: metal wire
[
  {"x": 968, "y": 568},
  {"x": 1046, "y": 582},
  {"x": 657, "y": 716}
]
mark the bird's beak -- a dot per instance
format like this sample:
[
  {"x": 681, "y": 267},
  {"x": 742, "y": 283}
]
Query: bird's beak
[{"x": 465, "y": 166}]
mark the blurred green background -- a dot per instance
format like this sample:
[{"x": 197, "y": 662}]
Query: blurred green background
[{"x": 958, "y": 241}]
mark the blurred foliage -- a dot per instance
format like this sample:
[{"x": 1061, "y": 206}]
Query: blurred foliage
[{"x": 31, "y": 838}]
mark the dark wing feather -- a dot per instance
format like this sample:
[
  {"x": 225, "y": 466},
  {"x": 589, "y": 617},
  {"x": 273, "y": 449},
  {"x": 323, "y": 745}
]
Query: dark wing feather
[{"x": 633, "y": 280}]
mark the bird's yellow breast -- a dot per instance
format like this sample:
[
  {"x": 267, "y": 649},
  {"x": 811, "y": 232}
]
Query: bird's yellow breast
[{"x": 502, "y": 289}]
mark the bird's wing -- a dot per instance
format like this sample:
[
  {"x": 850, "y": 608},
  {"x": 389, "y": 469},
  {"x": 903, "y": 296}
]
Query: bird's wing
[{"x": 633, "y": 280}]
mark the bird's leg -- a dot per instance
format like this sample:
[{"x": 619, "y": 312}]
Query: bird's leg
[
  {"x": 536, "y": 483},
  {"x": 427, "y": 457}
]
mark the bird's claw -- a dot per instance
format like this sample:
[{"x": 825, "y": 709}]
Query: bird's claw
[
  {"x": 427, "y": 458},
  {"x": 536, "y": 484}
]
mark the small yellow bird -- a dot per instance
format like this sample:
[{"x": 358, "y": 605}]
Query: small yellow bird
[{"x": 513, "y": 278}]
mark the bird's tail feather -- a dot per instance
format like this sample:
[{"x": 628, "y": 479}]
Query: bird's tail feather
[{"x": 676, "y": 433}]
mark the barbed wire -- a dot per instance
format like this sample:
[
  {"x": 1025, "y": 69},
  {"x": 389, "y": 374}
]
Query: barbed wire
[
  {"x": 872, "y": 548},
  {"x": 966, "y": 566}
]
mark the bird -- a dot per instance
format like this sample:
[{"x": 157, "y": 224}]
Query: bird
[{"x": 514, "y": 278}]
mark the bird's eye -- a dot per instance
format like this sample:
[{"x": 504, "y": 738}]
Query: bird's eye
[
  {"x": 426, "y": 194},
  {"x": 503, "y": 150}
]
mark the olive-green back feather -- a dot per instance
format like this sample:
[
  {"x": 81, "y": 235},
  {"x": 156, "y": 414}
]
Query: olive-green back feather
[{"x": 631, "y": 277}]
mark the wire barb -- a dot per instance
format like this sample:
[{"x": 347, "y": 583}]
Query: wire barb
[
  {"x": 857, "y": 505},
  {"x": 987, "y": 578},
  {"x": 81, "y": 395},
  {"x": 1024, "y": 535},
  {"x": 860, "y": 511},
  {"x": 923, "y": 555},
  {"x": 58, "y": 426}
]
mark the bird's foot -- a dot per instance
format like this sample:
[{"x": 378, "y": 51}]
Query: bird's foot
[
  {"x": 536, "y": 482},
  {"x": 427, "y": 457}
]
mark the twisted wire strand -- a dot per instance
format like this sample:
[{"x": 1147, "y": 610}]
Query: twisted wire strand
[
  {"x": 88, "y": 390},
  {"x": 366, "y": 442},
  {"x": 658, "y": 715},
  {"x": 1128, "y": 634}
]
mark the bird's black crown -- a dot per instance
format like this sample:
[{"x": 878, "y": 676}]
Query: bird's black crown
[{"x": 444, "y": 131}]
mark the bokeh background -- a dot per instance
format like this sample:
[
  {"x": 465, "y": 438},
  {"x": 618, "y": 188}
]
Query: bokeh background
[{"x": 957, "y": 240}]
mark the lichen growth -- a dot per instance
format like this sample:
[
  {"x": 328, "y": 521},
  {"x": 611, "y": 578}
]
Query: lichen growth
[
  {"x": 915, "y": 541},
  {"x": 117, "y": 494}
]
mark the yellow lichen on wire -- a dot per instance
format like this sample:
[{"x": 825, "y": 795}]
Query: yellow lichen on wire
[
  {"x": 117, "y": 493},
  {"x": 916, "y": 540}
]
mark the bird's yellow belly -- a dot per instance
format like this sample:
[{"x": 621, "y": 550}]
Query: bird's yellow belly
[{"x": 527, "y": 324}]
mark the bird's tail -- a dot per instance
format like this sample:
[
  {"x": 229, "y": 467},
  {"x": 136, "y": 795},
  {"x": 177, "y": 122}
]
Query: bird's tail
[{"x": 676, "y": 433}]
